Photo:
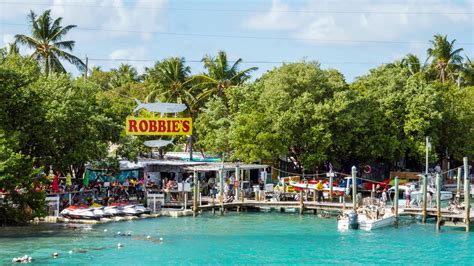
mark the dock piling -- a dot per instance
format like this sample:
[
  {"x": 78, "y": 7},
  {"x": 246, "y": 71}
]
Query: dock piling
[
  {"x": 195, "y": 193},
  {"x": 237, "y": 178},
  {"x": 331, "y": 180},
  {"x": 354, "y": 188},
  {"x": 438, "y": 202},
  {"x": 396, "y": 200},
  {"x": 301, "y": 202},
  {"x": 424, "y": 198},
  {"x": 458, "y": 184},
  {"x": 467, "y": 195}
]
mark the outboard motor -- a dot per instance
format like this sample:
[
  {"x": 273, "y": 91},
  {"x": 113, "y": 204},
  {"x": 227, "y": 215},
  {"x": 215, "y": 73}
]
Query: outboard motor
[{"x": 353, "y": 221}]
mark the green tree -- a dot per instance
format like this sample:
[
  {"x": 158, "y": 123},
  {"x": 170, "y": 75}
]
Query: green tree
[
  {"x": 20, "y": 135},
  {"x": 446, "y": 61},
  {"x": 287, "y": 116},
  {"x": 47, "y": 41},
  {"x": 79, "y": 130}
]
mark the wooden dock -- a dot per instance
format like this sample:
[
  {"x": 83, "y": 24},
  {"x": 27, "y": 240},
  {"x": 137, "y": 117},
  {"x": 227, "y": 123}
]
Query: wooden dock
[{"x": 448, "y": 218}]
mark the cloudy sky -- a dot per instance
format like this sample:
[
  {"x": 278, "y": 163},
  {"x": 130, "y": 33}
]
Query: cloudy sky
[{"x": 350, "y": 35}]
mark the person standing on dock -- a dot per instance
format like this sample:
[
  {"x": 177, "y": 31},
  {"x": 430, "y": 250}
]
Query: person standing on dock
[
  {"x": 408, "y": 197},
  {"x": 320, "y": 188},
  {"x": 384, "y": 197}
]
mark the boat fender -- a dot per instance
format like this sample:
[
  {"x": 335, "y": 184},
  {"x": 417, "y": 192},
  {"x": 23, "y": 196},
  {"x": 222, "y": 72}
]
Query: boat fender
[{"x": 367, "y": 169}]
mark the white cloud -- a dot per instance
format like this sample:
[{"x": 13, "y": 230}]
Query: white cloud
[
  {"x": 7, "y": 39},
  {"x": 274, "y": 19},
  {"x": 122, "y": 55},
  {"x": 128, "y": 53},
  {"x": 124, "y": 16},
  {"x": 367, "y": 20}
]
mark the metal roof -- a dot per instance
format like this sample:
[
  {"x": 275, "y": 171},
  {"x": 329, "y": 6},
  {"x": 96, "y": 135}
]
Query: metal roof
[{"x": 207, "y": 167}]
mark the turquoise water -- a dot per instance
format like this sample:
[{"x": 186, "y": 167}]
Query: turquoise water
[{"x": 249, "y": 238}]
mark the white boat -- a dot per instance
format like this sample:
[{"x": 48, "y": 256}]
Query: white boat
[
  {"x": 417, "y": 195},
  {"x": 326, "y": 189},
  {"x": 367, "y": 218},
  {"x": 445, "y": 195}
]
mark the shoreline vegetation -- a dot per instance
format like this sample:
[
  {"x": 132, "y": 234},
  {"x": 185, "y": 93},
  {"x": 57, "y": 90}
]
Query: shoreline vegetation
[{"x": 298, "y": 113}]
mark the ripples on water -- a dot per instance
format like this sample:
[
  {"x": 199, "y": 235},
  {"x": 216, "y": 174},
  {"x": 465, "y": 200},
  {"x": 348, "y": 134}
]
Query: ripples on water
[{"x": 250, "y": 238}]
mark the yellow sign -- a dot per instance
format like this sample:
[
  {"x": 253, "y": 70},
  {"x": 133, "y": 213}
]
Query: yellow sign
[{"x": 159, "y": 126}]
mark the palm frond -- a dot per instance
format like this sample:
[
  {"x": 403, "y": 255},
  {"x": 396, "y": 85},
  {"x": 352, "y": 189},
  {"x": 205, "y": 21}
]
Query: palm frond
[
  {"x": 26, "y": 40},
  {"x": 70, "y": 58},
  {"x": 69, "y": 45},
  {"x": 58, "y": 35}
]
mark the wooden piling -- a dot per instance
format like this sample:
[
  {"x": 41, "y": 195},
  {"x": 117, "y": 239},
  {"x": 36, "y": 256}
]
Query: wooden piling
[
  {"x": 424, "y": 198},
  {"x": 467, "y": 195},
  {"x": 458, "y": 184},
  {"x": 237, "y": 178},
  {"x": 301, "y": 202},
  {"x": 195, "y": 193},
  {"x": 372, "y": 193},
  {"x": 331, "y": 181},
  {"x": 354, "y": 188},
  {"x": 438, "y": 202},
  {"x": 396, "y": 200},
  {"x": 221, "y": 188}
]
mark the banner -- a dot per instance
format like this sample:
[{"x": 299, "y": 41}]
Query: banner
[{"x": 159, "y": 126}]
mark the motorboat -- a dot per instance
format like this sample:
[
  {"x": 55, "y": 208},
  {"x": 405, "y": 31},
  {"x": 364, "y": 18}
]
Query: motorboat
[
  {"x": 366, "y": 218},
  {"x": 417, "y": 195},
  {"x": 311, "y": 185},
  {"x": 445, "y": 195}
]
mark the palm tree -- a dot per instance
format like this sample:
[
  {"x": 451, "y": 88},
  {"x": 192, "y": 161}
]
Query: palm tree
[
  {"x": 445, "y": 59},
  {"x": 468, "y": 72},
  {"x": 412, "y": 62},
  {"x": 170, "y": 79},
  {"x": 9, "y": 50},
  {"x": 221, "y": 75},
  {"x": 47, "y": 41},
  {"x": 124, "y": 74}
]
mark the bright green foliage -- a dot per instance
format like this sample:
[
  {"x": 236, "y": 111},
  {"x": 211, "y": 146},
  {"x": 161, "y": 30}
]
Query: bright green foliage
[
  {"x": 18, "y": 178},
  {"x": 289, "y": 115},
  {"x": 77, "y": 129},
  {"x": 17, "y": 106}
]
